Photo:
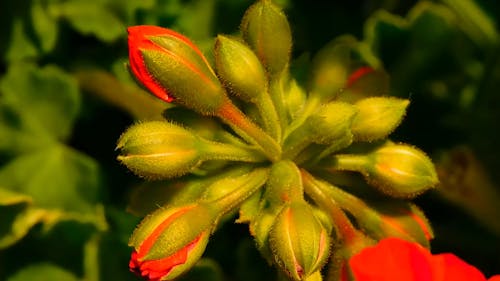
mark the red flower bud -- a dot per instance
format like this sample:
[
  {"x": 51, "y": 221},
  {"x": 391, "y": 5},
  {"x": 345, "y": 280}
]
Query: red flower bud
[
  {"x": 170, "y": 241},
  {"x": 172, "y": 67}
]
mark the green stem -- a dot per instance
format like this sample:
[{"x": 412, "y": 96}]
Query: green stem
[
  {"x": 232, "y": 116},
  {"x": 346, "y": 162},
  {"x": 338, "y": 145},
  {"x": 269, "y": 115},
  {"x": 296, "y": 142},
  {"x": 313, "y": 188},
  {"x": 276, "y": 94},
  {"x": 222, "y": 151}
]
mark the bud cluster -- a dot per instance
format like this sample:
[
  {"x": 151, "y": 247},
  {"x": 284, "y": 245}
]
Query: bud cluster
[{"x": 274, "y": 159}]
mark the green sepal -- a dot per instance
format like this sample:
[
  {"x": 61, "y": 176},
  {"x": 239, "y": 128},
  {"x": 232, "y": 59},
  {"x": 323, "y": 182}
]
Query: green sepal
[{"x": 377, "y": 117}]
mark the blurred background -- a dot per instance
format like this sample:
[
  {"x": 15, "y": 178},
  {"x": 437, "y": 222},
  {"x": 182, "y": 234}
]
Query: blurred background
[{"x": 67, "y": 207}]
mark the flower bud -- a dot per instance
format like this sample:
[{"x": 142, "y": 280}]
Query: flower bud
[
  {"x": 239, "y": 69},
  {"x": 331, "y": 122},
  {"x": 299, "y": 242},
  {"x": 365, "y": 82},
  {"x": 266, "y": 29},
  {"x": 395, "y": 219},
  {"x": 159, "y": 150},
  {"x": 330, "y": 68},
  {"x": 397, "y": 170},
  {"x": 169, "y": 242},
  {"x": 284, "y": 184},
  {"x": 377, "y": 117},
  {"x": 172, "y": 67},
  {"x": 401, "y": 170}
]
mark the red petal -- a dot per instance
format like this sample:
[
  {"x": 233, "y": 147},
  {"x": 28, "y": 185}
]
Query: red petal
[
  {"x": 360, "y": 72},
  {"x": 138, "y": 41},
  {"x": 392, "y": 259},
  {"x": 450, "y": 267},
  {"x": 494, "y": 278},
  {"x": 148, "y": 242},
  {"x": 156, "y": 269}
]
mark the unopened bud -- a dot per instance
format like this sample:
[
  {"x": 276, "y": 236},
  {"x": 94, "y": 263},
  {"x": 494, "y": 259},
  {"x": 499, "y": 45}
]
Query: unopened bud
[
  {"x": 299, "y": 242},
  {"x": 395, "y": 219},
  {"x": 284, "y": 184},
  {"x": 167, "y": 245},
  {"x": 159, "y": 150},
  {"x": 401, "y": 170},
  {"x": 398, "y": 170},
  {"x": 331, "y": 66},
  {"x": 331, "y": 122},
  {"x": 377, "y": 117},
  {"x": 239, "y": 69},
  {"x": 172, "y": 67},
  {"x": 266, "y": 29}
]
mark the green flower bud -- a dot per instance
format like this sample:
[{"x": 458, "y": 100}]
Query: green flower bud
[
  {"x": 396, "y": 219},
  {"x": 398, "y": 170},
  {"x": 299, "y": 242},
  {"x": 377, "y": 117},
  {"x": 266, "y": 29},
  {"x": 331, "y": 67},
  {"x": 331, "y": 122},
  {"x": 163, "y": 150},
  {"x": 285, "y": 184},
  {"x": 159, "y": 150},
  {"x": 401, "y": 170},
  {"x": 239, "y": 69}
]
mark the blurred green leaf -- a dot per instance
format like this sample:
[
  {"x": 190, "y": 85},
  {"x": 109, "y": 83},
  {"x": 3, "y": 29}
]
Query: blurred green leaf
[
  {"x": 42, "y": 179},
  {"x": 55, "y": 177},
  {"x": 43, "y": 272},
  {"x": 92, "y": 18},
  {"x": 45, "y": 26},
  {"x": 45, "y": 99},
  {"x": 20, "y": 45},
  {"x": 14, "y": 220},
  {"x": 475, "y": 22}
]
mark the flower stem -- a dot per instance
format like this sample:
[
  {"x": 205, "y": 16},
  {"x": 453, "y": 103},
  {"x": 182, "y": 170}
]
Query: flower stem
[
  {"x": 222, "y": 151},
  {"x": 232, "y": 116},
  {"x": 314, "y": 189},
  {"x": 346, "y": 162},
  {"x": 296, "y": 142},
  {"x": 269, "y": 115},
  {"x": 276, "y": 94}
]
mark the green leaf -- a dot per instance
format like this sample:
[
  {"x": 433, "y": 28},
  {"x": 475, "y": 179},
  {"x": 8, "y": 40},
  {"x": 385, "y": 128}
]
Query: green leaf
[
  {"x": 475, "y": 22},
  {"x": 43, "y": 272},
  {"x": 20, "y": 45},
  {"x": 91, "y": 18},
  {"x": 15, "y": 220},
  {"x": 44, "y": 100},
  {"x": 45, "y": 26},
  {"x": 56, "y": 177}
]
